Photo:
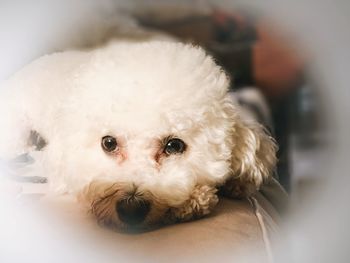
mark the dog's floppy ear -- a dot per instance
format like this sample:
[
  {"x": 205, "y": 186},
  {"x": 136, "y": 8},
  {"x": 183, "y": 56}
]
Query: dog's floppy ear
[{"x": 253, "y": 155}]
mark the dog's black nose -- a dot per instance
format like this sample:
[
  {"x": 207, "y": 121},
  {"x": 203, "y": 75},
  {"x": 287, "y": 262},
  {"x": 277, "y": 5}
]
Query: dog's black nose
[{"x": 132, "y": 211}]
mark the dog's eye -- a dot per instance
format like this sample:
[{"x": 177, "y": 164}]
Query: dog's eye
[
  {"x": 109, "y": 143},
  {"x": 173, "y": 146}
]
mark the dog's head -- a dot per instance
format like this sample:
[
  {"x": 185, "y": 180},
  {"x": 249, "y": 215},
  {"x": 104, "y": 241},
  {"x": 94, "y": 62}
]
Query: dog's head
[{"x": 148, "y": 133}]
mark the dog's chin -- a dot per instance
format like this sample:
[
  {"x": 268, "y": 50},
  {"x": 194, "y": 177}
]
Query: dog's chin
[
  {"x": 158, "y": 216},
  {"x": 124, "y": 208},
  {"x": 149, "y": 224}
]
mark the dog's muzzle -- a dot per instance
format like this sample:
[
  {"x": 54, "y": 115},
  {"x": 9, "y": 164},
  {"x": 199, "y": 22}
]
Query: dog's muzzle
[{"x": 132, "y": 210}]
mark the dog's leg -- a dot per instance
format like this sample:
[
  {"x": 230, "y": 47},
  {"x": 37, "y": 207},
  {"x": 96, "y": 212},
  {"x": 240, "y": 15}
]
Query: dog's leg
[
  {"x": 15, "y": 130},
  {"x": 18, "y": 140},
  {"x": 238, "y": 188},
  {"x": 201, "y": 202}
]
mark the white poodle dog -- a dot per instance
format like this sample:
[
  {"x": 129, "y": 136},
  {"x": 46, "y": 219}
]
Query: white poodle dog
[{"x": 142, "y": 133}]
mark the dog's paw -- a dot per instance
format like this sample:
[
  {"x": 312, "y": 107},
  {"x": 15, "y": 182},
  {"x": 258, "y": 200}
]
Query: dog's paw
[
  {"x": 237, "y": 188},
  {"x": 201, "y": 202}
]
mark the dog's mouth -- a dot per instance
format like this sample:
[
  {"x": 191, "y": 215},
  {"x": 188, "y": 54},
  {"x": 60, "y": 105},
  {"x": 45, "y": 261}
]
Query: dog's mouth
[
  {"x": 132, "y": 213},
  {"x": 132, "y": 210},
  {"x": 123, "y": 207}
]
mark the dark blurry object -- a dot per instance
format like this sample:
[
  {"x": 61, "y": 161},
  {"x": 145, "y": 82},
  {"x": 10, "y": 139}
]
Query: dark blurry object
[
  {"x": 278, "y": 72},
  {"x": 278, "y": 66},
  {"x": 233, "y": 38},
  {"x": 228, "y": 37}
]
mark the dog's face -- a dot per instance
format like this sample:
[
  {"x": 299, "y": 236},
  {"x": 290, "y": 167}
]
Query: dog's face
[{"x": 146, "y": 134}]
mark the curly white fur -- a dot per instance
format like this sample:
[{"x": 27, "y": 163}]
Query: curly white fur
[{"x": 140, "y": 93}]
